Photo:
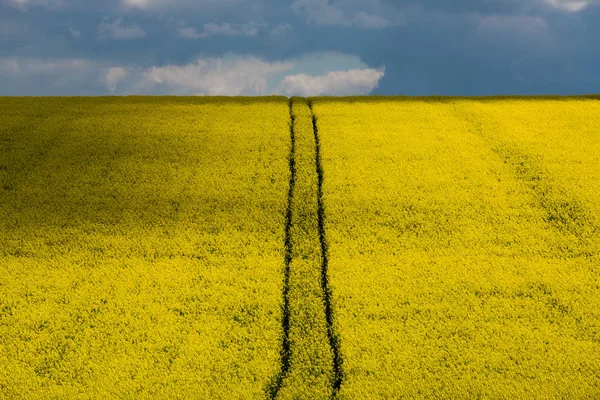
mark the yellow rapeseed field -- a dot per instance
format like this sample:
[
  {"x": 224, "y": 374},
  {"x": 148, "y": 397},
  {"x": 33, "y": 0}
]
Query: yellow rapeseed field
[
  {"x": 464, "y": 246},
  {"x": 141, "y": 246},
  {"x": 321, "y": 248}
]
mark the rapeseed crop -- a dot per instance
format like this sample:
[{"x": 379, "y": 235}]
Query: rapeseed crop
[
  {"x": 556, "y": 144},
  {"x": 299, "y": 248},
  {"x": 141, "y": 246},
  {"x": 464, "y": 246}
]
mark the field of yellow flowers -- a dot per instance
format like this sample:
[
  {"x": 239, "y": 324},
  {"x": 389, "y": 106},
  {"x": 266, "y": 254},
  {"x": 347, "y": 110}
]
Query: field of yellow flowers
[
  {"x": 141, "y": 247},
  {"x": 347, "y": 248},
  {"x": 464, "y": 240}
]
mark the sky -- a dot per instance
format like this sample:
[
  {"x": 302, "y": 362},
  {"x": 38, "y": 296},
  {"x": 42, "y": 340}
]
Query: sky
[{"x": 299, "y": 47}]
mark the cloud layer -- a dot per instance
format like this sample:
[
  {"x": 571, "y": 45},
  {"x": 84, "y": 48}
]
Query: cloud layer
[
  {"x": 230, "y": 76},
  {"x": 365, "y": 14},
  {"x": 471, "y": 47},
  {"x": 223, "y": 29},
  {"x": 235, "y": 76},
  {"x": 118, "y": 30}
]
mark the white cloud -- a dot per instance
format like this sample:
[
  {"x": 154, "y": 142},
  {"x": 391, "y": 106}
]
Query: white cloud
[
  {"x": 236, "y": 75},
  {"x": 336, "y": 83},
  {"x": 118, "y": 31},
  {"x": 113, "y": 76},
  {"x": 212, "y": 76},
  {"x": 224, "y": 29},
  {"x": 568, "y": 5}
]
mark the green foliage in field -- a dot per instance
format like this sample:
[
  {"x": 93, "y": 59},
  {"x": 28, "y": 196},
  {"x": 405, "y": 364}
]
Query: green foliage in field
[
  {"x": 141, "y": 246},
  {"x": 464, "y": 246}
]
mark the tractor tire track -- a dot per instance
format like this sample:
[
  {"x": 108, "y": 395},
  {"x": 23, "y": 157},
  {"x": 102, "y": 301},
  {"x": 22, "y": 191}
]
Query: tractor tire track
[
  {"x": 285, "y": 351},
  {"x": 310, "y": 357},
  {"x": 333, "y": 336}
]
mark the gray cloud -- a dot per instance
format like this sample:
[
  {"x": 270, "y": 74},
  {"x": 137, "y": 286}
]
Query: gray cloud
[
  {"x": 520, "y": 25},
  {"x": 33, "y": 66},
  {"x": 223, "y": 29},
  {"x": 569, "y": 5},
  {"x": 363, "y": 14},
  {"x": 49, "y": 76},
  {"x": 378, "y": 14},
  {"x": 209, "y": 6},
  {"x": 494, "y": 7},
  {"x": 76, "y": 34},
  {"x": 117, "y": 30},
  {"x": 280, "y": 31},
  {"x": 26, "y": 4}
]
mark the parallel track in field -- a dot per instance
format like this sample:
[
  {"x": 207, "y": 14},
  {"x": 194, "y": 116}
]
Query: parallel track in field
[
  {"x": 310, "y": 348},
  {"x": 285, "y": 351},
  {"x": 334, "y": 339}
]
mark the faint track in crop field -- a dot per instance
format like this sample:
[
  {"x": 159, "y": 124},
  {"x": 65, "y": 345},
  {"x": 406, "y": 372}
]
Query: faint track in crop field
[
  {"x": 285, "y": 353},
  {"x": 333, "y": 336},
  {"x": 564, "y": 212},
  {"x": 48, "y": 128}
]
